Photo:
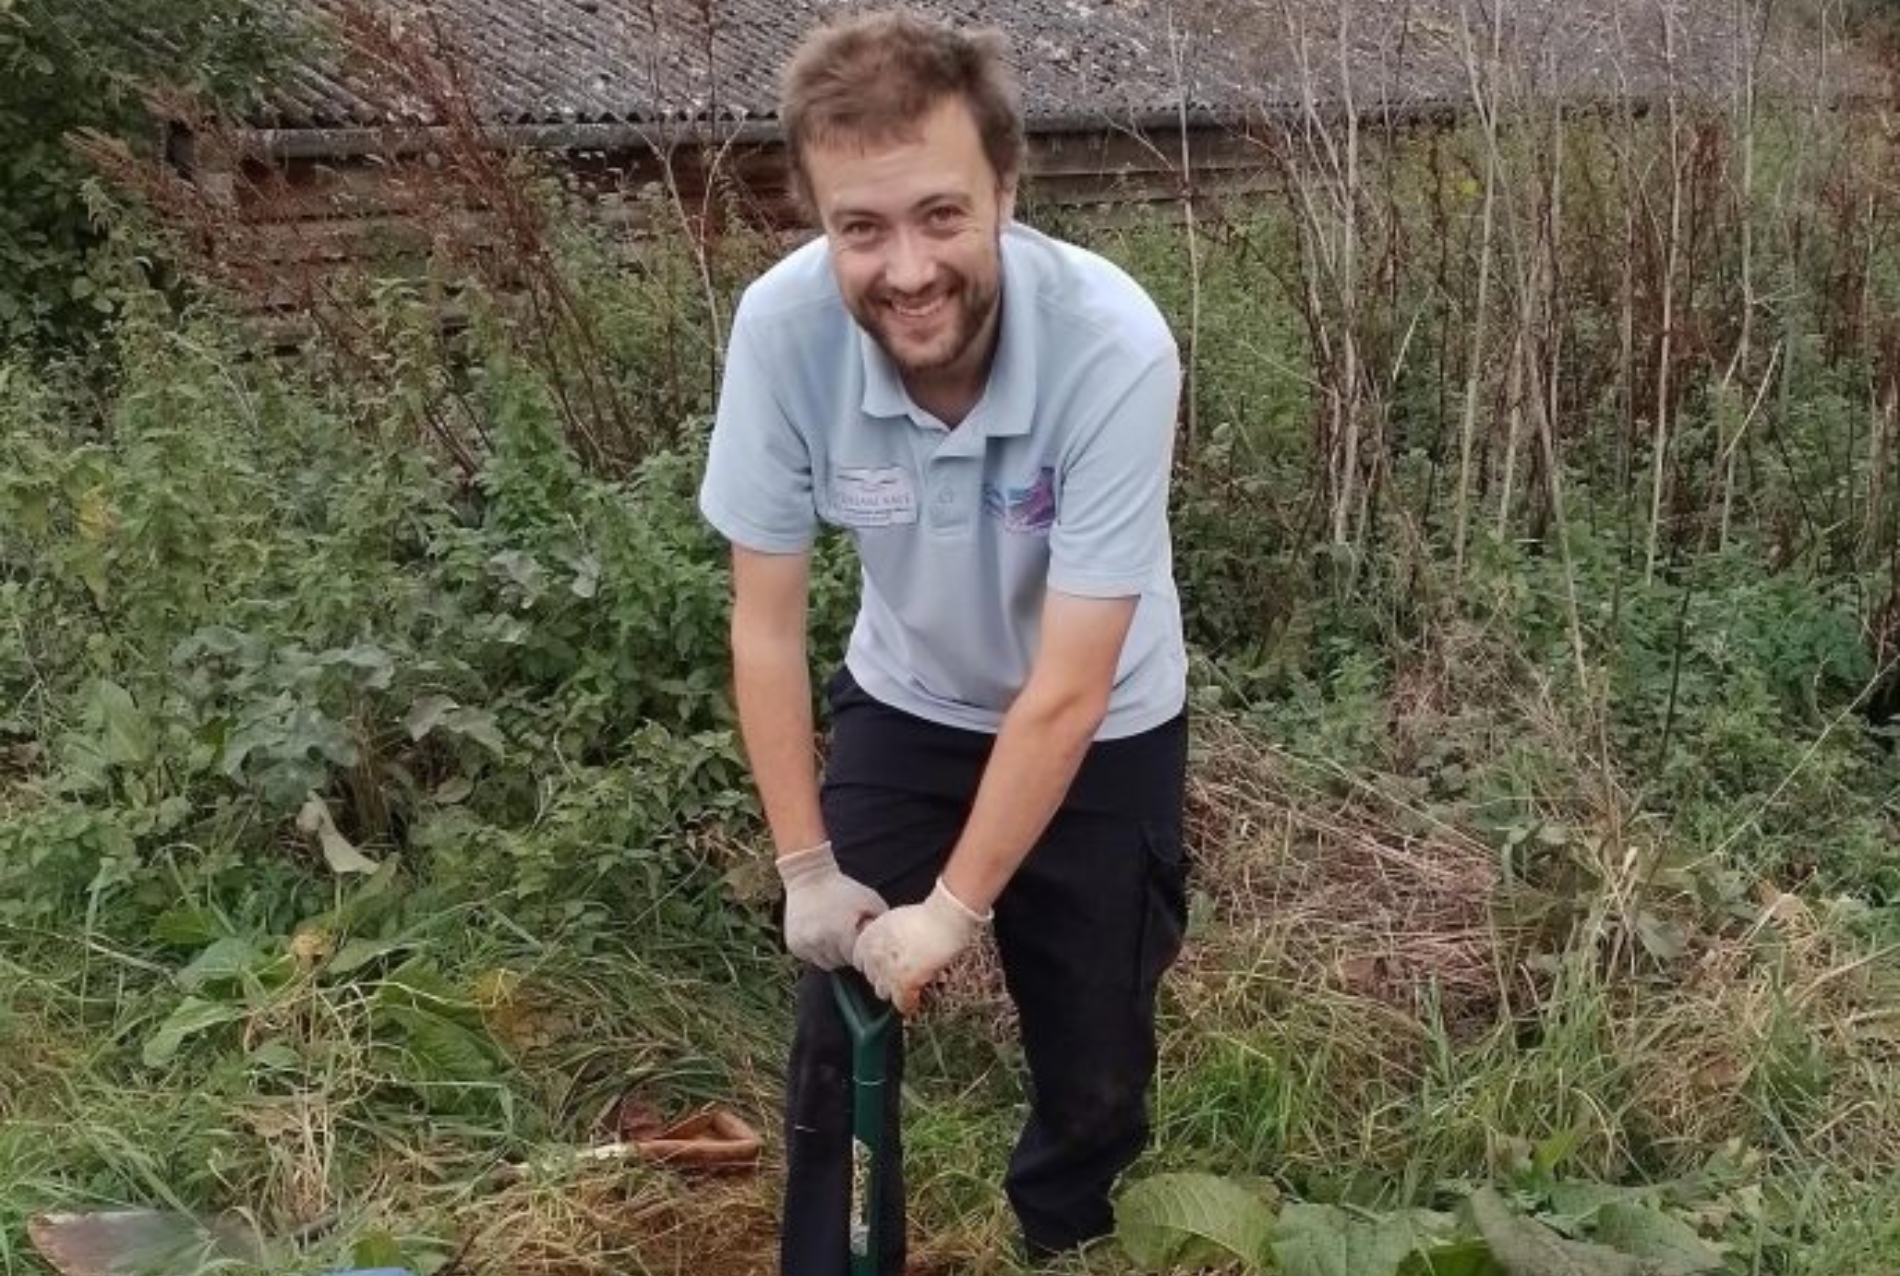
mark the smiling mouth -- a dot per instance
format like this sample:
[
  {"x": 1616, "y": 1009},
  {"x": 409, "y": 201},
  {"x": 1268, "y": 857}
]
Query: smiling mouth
[{"x": 917, "y": 311}]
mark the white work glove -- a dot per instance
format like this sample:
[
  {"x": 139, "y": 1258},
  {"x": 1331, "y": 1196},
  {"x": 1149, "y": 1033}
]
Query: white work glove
[
  {"x": 906, "y": 948},
  {"x": 824, "y": 909}
]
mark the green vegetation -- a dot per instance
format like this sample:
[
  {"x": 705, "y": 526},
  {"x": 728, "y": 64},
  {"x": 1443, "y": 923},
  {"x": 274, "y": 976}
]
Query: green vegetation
[
  {"x": 66, "y": 67},
  {"x": 371, "y": 817}
]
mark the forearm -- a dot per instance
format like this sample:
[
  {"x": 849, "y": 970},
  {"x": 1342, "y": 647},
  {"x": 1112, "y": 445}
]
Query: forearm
[
  {"x": 1039, "y": 748},
  {"x": 772, "y": 681}
]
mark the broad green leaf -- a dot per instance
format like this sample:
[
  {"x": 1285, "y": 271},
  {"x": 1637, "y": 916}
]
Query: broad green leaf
[
  {"x": 377, "y": 1249},
  {"x": 1325, "y": 1240},
  {"x": 520, "y": 570},
  {"x": 586, "y": 582},
  {"x": 1525, "y": 1247},
  {"x": 442, "y": 1050},
  {"x": 425, "y": 714},
  {"x": 307, "y": 730},
  {"x": 192, "y": 1016},
  {"x": 1468, "y": 1256},
  {"x": 240, "y": 744},
  {"x": 125, "y": 736},
  {"x": 1165, "y": 1220},
  {"x": 358, "y": 953},
  {"x": 84, "y": 768},
  {"x": 215, "y": 640},
  {"x": 1553, "y": 1151},
  {"x": 477, "y": 725},
  {"x": 186, "y": 927},
  {"x": 1581, "y": 1200},
  {"x": 225, "y": 962},
  {"x": 90, "y": 566},
  {"x": 418, "y": 985},
  {"x": 1668, "y": 1246},
  {"x": 430, "y": 713},
  {"x": 314, "y": 819},
  {"x": 374, "y": 669}
]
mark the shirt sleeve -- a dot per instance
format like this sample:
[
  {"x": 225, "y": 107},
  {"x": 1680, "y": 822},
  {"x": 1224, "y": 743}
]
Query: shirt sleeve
[
  {"x": 1110, "y": 537},
  {"x": 757, "y": 491}
]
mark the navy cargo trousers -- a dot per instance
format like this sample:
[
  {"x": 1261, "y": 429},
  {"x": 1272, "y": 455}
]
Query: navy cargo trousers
[{"x": 1085, "y": 930}]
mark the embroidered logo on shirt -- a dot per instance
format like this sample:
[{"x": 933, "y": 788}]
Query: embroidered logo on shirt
[
  {"x": 873, "y": 496},
  {"x": 1029, "y": 508}
]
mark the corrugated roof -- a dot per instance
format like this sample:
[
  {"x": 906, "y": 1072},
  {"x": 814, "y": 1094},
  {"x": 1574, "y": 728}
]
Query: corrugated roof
[{"x": 566, "y": 62}]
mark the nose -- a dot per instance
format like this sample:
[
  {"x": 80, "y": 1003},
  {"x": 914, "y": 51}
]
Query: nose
[{"x": 911, "y": 267}]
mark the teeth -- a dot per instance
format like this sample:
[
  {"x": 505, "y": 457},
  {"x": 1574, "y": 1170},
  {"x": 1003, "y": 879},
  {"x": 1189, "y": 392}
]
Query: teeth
[{"x": 917, "y": 312}]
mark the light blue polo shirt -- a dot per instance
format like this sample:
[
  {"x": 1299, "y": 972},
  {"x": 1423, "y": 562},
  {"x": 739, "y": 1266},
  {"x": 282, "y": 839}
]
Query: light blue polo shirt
[{"x": 1058, "y": 479}]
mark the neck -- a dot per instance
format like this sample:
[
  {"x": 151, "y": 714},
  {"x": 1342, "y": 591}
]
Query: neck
[{"x": 950, "y": 393}]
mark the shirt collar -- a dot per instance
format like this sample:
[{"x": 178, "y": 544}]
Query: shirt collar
[
  {"x": 1009, "y": 399},
  {"x": 884, "y": 393}
]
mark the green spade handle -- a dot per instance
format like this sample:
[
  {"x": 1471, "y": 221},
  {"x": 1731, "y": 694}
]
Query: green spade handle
[{"x": 870, "y": 1024}]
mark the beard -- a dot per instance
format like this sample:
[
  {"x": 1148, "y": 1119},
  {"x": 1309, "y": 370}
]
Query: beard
[{"x": 969, "y": 305}]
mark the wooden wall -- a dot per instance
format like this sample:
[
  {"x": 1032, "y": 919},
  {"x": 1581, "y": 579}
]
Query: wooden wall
[{"x": 312, "y": 215}]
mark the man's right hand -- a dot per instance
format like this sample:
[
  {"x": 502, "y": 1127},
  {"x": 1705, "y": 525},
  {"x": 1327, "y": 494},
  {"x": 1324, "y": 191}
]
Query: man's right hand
[{"x": 824, "y": 909}]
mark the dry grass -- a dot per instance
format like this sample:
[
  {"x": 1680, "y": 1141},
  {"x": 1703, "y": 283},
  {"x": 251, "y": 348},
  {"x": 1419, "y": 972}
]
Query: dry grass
[
  {"x": 1782, "y": 1024},
  {"x": 618, "y": 1221},
  {"x": 1313, "y": 891}
]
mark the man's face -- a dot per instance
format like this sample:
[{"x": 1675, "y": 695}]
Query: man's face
[{"x": 914, "y": 229}]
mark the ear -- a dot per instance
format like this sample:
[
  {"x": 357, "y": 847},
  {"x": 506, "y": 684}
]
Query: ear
[{"x": 1006, "y": 199}]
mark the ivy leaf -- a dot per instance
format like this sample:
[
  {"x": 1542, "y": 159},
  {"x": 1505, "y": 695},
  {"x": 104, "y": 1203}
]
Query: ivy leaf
[
  {"x": 1525, "y": 1247},
  {"x": 1668, "y": 1246},
  {"x": 374, "y": 669},
  {"x": 1171, "y": 1219},
  {"x": 430, "y": 713},
  {"x": 426, "y": 714}
]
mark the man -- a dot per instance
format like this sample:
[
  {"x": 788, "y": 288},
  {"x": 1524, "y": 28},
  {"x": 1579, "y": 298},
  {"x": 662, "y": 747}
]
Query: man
[{"x": 989, "y": 415}]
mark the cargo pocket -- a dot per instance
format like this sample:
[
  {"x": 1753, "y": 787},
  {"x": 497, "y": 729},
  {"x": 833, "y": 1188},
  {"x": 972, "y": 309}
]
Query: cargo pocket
[{"x": 1164, "y": 923}]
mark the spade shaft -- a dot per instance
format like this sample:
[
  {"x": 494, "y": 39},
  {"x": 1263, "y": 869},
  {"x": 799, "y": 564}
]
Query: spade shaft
[{"x": 870, "y": 1025}]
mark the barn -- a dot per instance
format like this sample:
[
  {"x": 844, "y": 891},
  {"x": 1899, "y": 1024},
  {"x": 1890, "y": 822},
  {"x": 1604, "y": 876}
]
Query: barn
[{"x": 1129, "y": 104}]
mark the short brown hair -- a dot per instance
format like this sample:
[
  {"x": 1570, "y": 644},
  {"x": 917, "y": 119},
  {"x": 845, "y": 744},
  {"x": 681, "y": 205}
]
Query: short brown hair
[{"x": 874, "y": 77}]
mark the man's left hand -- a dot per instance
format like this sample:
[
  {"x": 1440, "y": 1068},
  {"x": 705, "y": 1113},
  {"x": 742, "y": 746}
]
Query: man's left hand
[{"x": 906, "y": 948}]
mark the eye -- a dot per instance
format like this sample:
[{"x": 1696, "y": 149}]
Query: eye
[
  {"x": 857, "y": 230},
  {"x": 943, "y": 215}
]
